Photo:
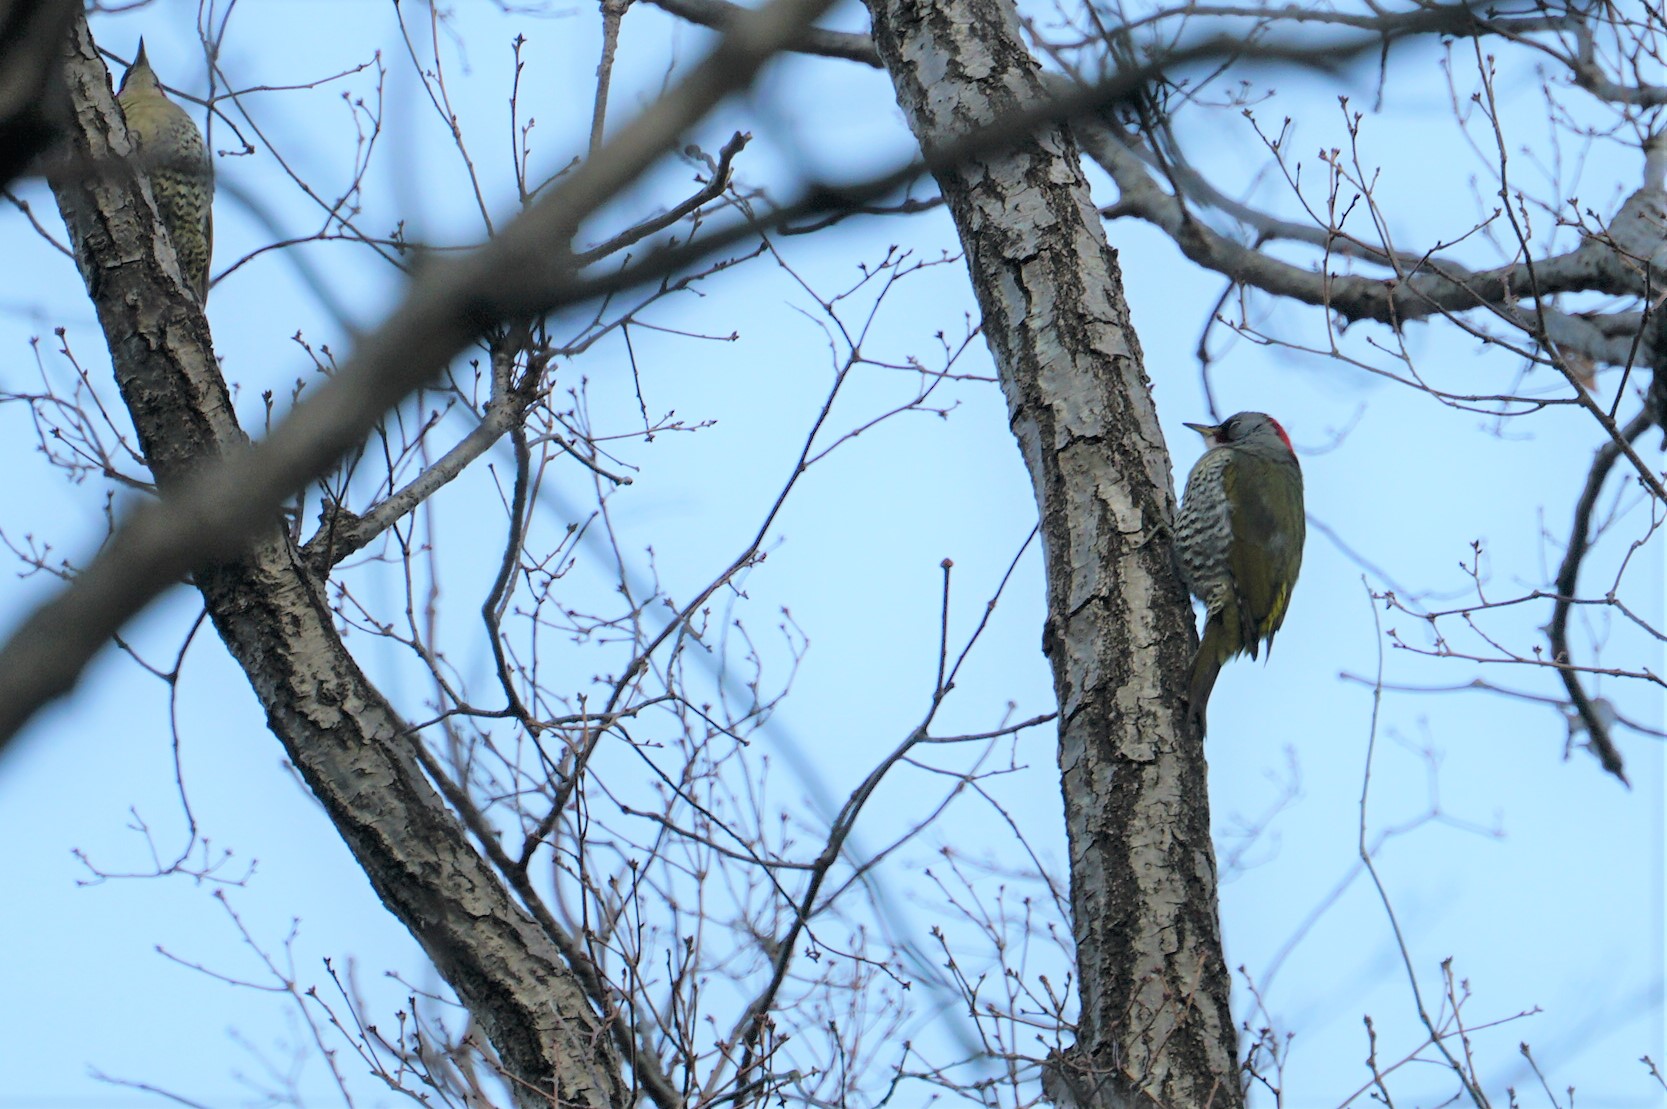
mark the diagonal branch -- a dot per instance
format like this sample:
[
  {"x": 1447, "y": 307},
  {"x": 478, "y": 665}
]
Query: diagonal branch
[
  {"x": 341, "y": 734},
  {"x": 721, "y": 14},
  {"x": 527, "y": 271},
  {"x": 211, "y": 510},
  {"x": 1568, "y": 579}
]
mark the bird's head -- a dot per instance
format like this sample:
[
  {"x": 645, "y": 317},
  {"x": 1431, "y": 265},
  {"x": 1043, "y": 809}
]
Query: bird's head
[
  {"x": 139, "y": 76},
  {"x": 1251, "y": 430}
]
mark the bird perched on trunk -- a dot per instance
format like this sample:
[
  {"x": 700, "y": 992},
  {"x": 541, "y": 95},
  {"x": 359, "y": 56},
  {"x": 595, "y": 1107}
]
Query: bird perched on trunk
[
  {"x": 169, "y": 150},
  {"x": 1239, "y": 541}
]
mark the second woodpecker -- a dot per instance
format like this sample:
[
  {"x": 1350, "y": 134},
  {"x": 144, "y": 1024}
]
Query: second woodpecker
[
  {"x": 1239, "y": 541},
  {"x": 170, "y": 151}
]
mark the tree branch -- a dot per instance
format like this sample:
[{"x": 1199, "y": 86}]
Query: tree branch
[
  {"x": 210, "y": 509},
  {"x": 721, "y": 14},
  {"x": 344, "y": 738},
  {"x": 1568, "y": 580},
  {"x": 1155, "y": 1026}
]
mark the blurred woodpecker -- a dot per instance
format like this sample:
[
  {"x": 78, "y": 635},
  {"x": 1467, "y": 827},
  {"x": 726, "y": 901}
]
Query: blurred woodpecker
[
  {"x": 1239, "y": 541},
  {"x": 170, "y": 151}
]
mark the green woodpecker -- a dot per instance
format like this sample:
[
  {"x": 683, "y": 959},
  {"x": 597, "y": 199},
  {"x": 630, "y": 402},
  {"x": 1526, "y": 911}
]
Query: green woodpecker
[
  {"x": 170, "y": 151},
  {"x": 1239, "y": 541}
]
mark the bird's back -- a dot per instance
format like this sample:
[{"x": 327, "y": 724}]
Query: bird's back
[
  {"x": 170, "y": 151},
  {"x": 1204, "y": 530}
]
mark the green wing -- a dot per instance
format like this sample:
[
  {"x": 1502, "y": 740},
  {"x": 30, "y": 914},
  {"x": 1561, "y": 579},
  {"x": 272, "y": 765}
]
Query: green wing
[{"x": 1265, "y": 499}]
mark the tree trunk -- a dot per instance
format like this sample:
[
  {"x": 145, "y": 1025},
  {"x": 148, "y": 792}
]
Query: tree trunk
[
  {"x": 1155, "y": 1026},
  {"x": 348, "y": 743}
]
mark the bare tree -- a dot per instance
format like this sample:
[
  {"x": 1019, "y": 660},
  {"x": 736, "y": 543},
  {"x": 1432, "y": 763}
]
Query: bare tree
[{"x": 584, "y": 834}]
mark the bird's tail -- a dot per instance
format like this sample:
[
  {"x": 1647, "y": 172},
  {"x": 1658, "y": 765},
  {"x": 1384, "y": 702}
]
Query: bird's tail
[{"x": 1214, "y": 649}]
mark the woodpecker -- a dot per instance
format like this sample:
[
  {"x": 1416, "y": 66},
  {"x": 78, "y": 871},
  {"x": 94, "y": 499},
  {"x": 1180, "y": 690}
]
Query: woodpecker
[
  {"x": 170, "y": 151},
  {"x": 1238, "y": 542}
]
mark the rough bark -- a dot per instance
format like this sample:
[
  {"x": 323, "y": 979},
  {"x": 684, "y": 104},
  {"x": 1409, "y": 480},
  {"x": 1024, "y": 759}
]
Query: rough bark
[
  {"x": 1155, "y": 1026},
  {"x": 348, "y": 743}
]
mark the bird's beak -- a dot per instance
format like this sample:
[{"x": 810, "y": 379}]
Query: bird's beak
[{"x": 1208, "y": 431}]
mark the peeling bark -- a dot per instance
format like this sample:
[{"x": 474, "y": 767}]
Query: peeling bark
[
  {"x": 1155, "y": 1027},
  {"x": 348, "y": 743}
]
